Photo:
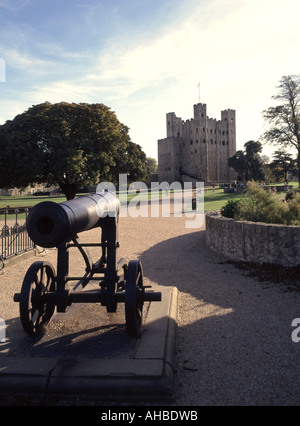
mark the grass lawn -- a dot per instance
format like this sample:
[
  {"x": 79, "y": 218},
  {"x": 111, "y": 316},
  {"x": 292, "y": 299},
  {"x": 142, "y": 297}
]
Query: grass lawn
[
  {"x": 213, "y": 200},
  {"x": 217, "y": 199}
]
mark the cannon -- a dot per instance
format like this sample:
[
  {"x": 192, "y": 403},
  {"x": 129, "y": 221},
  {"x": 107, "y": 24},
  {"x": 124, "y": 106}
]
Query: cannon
[{"x": 57, "y": 225}]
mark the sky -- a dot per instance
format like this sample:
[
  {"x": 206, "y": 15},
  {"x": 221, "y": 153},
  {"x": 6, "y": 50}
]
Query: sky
[{"x": 145, "y": 58}]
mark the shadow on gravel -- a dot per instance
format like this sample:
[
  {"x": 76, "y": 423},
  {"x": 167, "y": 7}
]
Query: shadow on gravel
[
  {"x": 85, "y": 331},
  {"x": 234, "y": 344},
  {"x": 107, "y": 341}
]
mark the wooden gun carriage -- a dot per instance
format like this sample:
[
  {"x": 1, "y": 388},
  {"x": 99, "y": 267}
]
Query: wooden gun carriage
[{"x": 57, "y": 225}]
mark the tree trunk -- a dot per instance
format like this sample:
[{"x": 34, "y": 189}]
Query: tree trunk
[
  {"x": 69, "y": 189},
  {"x": 298, "y": 162}
]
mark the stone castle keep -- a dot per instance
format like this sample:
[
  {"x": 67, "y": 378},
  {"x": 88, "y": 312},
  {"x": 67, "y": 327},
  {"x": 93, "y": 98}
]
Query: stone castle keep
[{"x": 197, "y": 149}]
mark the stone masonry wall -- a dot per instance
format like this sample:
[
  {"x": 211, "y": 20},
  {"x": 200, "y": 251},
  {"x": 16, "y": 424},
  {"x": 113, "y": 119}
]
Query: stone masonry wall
[
  {"x": 253, "y": 242},
  {"x": 198, "y": 148}
]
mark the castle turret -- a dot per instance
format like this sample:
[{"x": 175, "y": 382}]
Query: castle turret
[
  {"x": 173, "y": 125},
  {"x": 229, "y": 116},
  {"x": 200, "y": 111},
  {"x": 198, "y": 148}
]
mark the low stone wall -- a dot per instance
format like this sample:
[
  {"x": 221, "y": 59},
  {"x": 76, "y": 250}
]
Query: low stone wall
[{"x": 253, "y": 242}]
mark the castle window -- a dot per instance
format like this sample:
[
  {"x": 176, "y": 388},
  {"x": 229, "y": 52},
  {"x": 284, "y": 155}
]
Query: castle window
[
  {"x": 203, "y": 129},
  {"x": 197, "y": 129},
  {"x": 197, "y": 141},
  {"x": 169, "y": 123},
  {"x": 191, "y": 142},
  {"x": 202, "y": 115},
  {"x": 223, "y": 142},
  {"x": 204, "y": 140}
]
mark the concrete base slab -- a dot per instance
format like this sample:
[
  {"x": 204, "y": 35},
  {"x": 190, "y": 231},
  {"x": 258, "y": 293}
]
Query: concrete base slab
[{"x": 148, "y": 374}]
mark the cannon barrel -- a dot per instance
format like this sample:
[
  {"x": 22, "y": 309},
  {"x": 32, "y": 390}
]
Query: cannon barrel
[{"x": 50, "y": 224}]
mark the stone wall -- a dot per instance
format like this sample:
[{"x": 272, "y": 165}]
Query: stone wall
[
  {"x": 253, "y": 242},
  {"x": 198, "y": 148}
]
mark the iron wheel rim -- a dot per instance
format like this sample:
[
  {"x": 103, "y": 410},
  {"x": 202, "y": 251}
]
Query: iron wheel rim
[
  {"x": 35, "y": 312},
  {"x": 134, "y": 298}
]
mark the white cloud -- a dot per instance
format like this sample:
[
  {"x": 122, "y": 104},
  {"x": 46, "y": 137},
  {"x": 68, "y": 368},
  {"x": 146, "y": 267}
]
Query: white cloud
[
  {"x": 27, "y": 62},
  {"x": 233, "y": 47},
  {"x": 237, "y": 49}
]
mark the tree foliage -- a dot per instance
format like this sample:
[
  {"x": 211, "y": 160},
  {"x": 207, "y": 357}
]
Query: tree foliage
[
  {"x": 282, "y": 164},
  {"x": 248, "y": 163},
  {"x": 284, "y": 118},
  {"x": 70, "y": 145},
  {"x": 152, "y": 166}
]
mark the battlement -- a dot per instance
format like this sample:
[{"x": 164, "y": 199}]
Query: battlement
[
  {"x": 228, "y": 114},
  {"x": 200, "y": 145},
  {"x": 200, "y": 111}
]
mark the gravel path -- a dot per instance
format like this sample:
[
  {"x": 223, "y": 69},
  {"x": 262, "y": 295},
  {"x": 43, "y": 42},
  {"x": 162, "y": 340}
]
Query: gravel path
[{"x": 234, "y": 344}]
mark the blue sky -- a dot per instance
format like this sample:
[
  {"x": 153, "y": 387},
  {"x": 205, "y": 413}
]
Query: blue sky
[{"x": 144, "y": 58}]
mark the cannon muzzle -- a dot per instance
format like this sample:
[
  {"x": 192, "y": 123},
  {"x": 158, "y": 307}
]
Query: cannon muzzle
[{"x": 50, "y": 224}]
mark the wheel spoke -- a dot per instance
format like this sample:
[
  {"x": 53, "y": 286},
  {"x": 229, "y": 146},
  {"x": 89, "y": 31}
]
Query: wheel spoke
[
  {"x": 34, "y": 312},
  {"x": 139, "y": 312},
  {"x": 42, "y": 275},
  {"x": 35, "y": 280},
  {"x": 49, "y": 279},
  {"x": 34, "y": 316},
  {"x": 138, "y": 278}
]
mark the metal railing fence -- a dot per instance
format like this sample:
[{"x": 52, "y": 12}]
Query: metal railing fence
[{"x": 14, "y": 238}]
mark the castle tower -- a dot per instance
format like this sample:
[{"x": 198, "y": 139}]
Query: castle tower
[{"x": 197, "y": 149}]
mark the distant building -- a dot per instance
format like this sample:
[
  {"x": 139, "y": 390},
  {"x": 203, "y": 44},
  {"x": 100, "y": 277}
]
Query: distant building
[
  {"x": 198, "y": 149},
  {"x": 29, "y": 190}
]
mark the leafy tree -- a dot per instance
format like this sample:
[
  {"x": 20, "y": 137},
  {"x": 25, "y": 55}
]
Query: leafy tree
[
  {"x": 152, "y": 166},
  {"x": 134, "y": 163},
  {"x": 248, "y": 163},
  {"x": 239, "y": 164},
  {"x": 282, "y": 164},
  {"x": 70, "y": 145},
  {"x": 284, "y": 118}
]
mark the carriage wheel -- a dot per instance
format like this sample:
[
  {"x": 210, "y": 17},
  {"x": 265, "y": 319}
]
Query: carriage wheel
[
  {"x": 35, "y": 312},
  {"x": 134, "y": 298}
]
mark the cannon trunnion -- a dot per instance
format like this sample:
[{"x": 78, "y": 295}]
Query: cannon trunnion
[{"x": 44, "y": 290}]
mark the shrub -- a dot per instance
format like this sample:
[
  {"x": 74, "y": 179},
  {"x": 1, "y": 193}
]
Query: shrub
[
  {"x": 293, "y": 212},
  {"x": 264, "y": 206},
  {"x": 291, "y": 194},
  {"x": 261, "y": 206},
  {"x": 231, "y": 208}
]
